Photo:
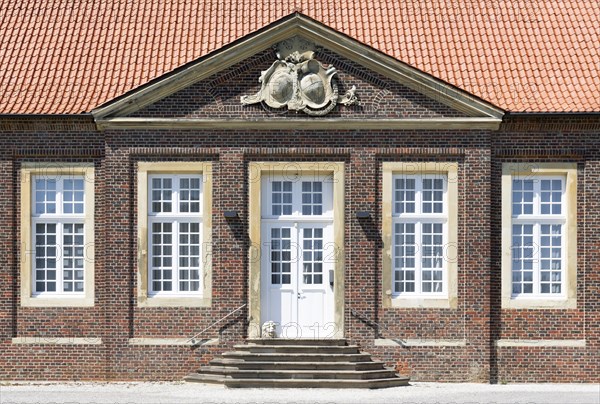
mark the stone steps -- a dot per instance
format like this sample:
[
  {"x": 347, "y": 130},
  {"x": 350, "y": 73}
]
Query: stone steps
[
  {"x": 205, "y": 378},
  {"x": 274, "y": 363},
  {"x": 297, "y": 349},
  {"x": 312, "y": 384},
  {"x": 290, "y": 365},
  {"x": 297, "y": 357},
  {"x": 309, "y": 342},
  {"x": 298, "y": 374}
]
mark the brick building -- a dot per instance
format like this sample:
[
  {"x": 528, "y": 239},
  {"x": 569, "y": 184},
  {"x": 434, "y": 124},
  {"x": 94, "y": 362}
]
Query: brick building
[{"x": 423, "y": 181}]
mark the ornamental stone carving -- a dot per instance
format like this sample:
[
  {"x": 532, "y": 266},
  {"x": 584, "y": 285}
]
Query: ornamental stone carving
[
  {"x": 299, "y": 82},
  {"x": 269, "y": 330}
]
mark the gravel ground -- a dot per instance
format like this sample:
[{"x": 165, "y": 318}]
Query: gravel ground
[{"x": 179, "y": 393}]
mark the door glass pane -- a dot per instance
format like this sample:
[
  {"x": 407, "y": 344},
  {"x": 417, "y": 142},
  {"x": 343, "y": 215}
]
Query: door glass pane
[
  {"x": 281, "y": 256},
  {"x": 312, "y": 198},
  {"x": 281, "y": 198},
  {"x": 312, "y": 256}
]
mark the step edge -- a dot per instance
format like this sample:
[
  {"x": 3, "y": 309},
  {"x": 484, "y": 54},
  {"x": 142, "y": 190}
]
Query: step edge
[
  {"x": 241, "y": 353},
  {"x": 308, "y": 371},
  {"x": 318, "y": 381}
]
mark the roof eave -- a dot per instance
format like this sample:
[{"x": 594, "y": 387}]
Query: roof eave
[{"x": 551, "y": 113}]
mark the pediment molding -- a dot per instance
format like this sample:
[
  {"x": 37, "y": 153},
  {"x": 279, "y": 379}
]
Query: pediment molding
[{"x": 474, "y": 123}]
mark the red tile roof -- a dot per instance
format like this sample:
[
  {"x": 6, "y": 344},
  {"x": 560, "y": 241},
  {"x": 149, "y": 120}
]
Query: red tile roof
[{"x": 64, "y": 57}]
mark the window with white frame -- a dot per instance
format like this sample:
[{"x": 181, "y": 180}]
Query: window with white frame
[
  {"x": 58, "y": 235},
  {"x": 419, "y": 233},
  {"x": 538, "y": 223},
  {"x": 299, "y": 198},
  {"x": 175, "y": 234}
]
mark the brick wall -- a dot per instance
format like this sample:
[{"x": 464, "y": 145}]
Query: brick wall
[
  {"x": 219, "y": 95},
  {"x": 478, "y": 319}
]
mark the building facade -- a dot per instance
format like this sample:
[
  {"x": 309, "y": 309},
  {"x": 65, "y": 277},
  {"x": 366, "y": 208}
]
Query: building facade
[{"x": 448, "y": 237}]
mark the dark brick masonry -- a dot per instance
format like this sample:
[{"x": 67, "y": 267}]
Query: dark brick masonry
[{"x": 479, "y": 320}]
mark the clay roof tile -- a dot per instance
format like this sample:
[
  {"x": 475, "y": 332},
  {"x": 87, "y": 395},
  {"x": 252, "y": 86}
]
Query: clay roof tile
[{"x": 58, "y": 57}]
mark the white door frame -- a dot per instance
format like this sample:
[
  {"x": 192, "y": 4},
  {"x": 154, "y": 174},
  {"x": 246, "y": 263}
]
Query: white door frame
[
  {"x": 301, "y": 308},
  {"x": 257, "y": 173}
]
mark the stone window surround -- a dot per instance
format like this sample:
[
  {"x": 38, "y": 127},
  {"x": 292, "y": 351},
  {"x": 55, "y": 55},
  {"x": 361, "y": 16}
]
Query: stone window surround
[
  {"x": 28, "y": 170},
  {"x": 390, "y": 169},
  {"x": 569, "y": 170},
  {"x": 144, "y": 169}
]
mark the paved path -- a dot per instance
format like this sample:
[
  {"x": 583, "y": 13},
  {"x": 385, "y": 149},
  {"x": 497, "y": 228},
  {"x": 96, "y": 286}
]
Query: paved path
[{"x": 180, "y": 393}]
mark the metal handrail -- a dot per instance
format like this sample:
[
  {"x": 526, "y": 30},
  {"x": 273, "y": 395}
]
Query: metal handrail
[
  {"x": 193, "y": 338},
  {"x": 358, "y": 314}
]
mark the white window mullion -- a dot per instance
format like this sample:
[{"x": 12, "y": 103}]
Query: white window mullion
[
  {"x": 445, "y": 208},
  {"x": 60, "y": 250},
  {"x": 296, "y": 240},
  {"x": 150, "y": 249},
  {"x": 175, "y": 254},
  {"x": 536, "y": 198},
  {"x": 445, "y": 245},
  {"x": 59, "y": 196},
  {"x": 297, "y": 200},
  {"x": 419, "y": 256},
  {"x": 537, "y": 254},
  {"x": 174, "y": 195},
  {"x": 418, "y": 196},
  {"x": 563, "y": 258}
]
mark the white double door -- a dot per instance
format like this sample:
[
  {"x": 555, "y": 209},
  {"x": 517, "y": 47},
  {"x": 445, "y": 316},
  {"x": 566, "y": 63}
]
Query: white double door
[{"x": 297, "y": 260}]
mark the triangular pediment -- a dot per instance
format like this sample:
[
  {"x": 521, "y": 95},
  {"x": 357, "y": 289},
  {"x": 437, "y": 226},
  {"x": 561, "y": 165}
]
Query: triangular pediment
[{"x": 310, "y": 75}]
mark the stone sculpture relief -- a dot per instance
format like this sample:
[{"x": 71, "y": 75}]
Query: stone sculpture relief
[
  {"x": 300, "y": 82},
  {"x": 268, "y": 330}
]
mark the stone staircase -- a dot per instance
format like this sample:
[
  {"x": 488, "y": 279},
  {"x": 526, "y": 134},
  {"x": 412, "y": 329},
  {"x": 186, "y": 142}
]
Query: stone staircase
[{"x": 326, "y": 363}]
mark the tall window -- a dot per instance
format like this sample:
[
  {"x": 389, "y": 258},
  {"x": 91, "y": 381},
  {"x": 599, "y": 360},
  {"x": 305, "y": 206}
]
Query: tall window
[
  {"x": 538, "y": 242},
  {"x": 539, "y": 235},
  {"x": 419, "y": 233},
  {"x": 58, "y": 234},
  {"x": 175, "y": 234}
]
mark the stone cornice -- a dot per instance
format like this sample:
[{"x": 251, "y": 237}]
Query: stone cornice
[{"x": 309, "y": 124}]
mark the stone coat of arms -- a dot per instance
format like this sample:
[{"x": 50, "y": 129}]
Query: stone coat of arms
[{"x": 300, "y": 82}]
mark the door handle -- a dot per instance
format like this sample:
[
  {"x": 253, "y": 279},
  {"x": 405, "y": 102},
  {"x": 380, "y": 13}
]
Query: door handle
[{"x": 300, "y": 295}]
